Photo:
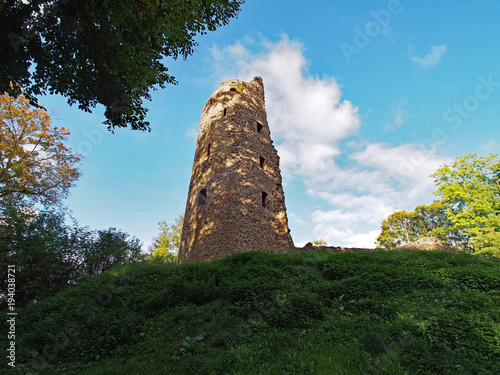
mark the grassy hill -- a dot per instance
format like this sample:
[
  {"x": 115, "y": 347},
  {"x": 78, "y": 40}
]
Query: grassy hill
[{"x": 404, "y": 312}]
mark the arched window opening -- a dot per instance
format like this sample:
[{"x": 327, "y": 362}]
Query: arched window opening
[{"x": 262, "y": 162}]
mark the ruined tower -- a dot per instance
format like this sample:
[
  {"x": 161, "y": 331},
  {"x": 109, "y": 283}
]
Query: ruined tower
[{"x": 235, "y": 201}]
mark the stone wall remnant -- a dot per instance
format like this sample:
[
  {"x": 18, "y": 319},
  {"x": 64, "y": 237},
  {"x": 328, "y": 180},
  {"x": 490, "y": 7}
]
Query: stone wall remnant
[{"x": 426, "y": 243}]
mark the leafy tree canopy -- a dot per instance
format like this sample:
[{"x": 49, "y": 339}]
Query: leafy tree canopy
[
  {"x": 470, "y": 189},
  {"x": 165, "y": 247},
  {"x": 35, "y": 165},
  {"x": 403, "y": 227},
  {"x": 466, "y": 216},
  {"x": 105, "y": 249},
  {"x": 51, "y": 256},
  {"x": 101, "y": 52}
]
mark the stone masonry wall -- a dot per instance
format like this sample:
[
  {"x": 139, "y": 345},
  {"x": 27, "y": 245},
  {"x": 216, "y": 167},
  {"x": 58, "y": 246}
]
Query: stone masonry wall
[{"x": 235, "y": 201}]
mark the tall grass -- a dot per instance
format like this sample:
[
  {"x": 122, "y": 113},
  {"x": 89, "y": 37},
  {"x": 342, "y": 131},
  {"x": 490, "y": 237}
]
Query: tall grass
[{"x": 258, "y": 313}]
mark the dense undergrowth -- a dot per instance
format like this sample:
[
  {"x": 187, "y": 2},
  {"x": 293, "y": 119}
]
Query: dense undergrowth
[{"x": 384, "y": 312}]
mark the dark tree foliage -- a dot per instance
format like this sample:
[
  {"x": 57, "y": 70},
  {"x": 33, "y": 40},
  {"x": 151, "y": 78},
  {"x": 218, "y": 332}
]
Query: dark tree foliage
[
  {"x": 105, "y": 249},
  {"x": 101, "y": 51},
  {"x": 39, "y": 249},
  {"x": 50, "y": 256}
]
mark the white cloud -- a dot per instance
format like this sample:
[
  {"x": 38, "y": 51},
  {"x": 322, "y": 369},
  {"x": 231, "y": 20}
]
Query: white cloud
[
  {"x": 409, "y": 164},
  {"x": 432, "y": 58},
  {"x": 309, "y": 123},
  {"x": 306, "y": 114},
  {"x": 295, "y": 218},
  {"x": 341, "y": 227},
  {"x": 385, "y": 179},
  {"x": 370, "y": 207},
  {"x": 365, "y": 240}
]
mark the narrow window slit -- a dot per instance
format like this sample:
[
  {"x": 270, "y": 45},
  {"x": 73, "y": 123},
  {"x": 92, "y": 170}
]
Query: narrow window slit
[
  {"x": 202, "y": 196},
  {"x": 264, "y": 197},
  {"x": 225, "y": 111},
  {"x": 262, "y": 162},
  {"x": 208, "y": 150},
  {"x": 259, "y": 127}
]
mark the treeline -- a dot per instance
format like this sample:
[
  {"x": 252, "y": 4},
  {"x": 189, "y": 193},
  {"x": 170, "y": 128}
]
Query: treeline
[
  {"x": 50, "y": 255},
  {"x": 466, "y": 215},
  {"x": 37, "y": 171}
]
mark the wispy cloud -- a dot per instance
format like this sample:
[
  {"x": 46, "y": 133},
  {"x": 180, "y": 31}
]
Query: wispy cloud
[
  {"x": 398, "y": 117},
  {"x": 360, "y": 184},
  {"x": 192, "y": 132},
  {"x": 432, "y": 58},
  {"x": 491, "y": 147}
]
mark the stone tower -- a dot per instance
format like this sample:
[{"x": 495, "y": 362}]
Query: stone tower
[{"x": 235, "y": 201}]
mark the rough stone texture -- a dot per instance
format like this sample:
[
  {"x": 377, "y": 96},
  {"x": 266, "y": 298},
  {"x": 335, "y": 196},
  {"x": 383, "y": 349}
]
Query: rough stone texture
[
  {"x": 426, "y": 243},
  {"x": 309, "y": 247},
  {"x": 235, "y": 169}
]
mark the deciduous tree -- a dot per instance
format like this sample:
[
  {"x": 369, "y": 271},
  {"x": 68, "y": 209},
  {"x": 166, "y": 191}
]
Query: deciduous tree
[
  {"x": 50, "y": 256},
  {"x": 467, "y": 216},
  {"x": 426, "y": 221},
  {"x": 40, "y": 248},
  {"x": 470, "y": 190},
  {"x": 101, "y": 51},
  {"x": 435, "y": 223},
  {"x": 35, "y": 164},
  {"x": 399, "y": 228},
  {"x": 105, "y": 249},
  {"x": 165, "y": 247}
]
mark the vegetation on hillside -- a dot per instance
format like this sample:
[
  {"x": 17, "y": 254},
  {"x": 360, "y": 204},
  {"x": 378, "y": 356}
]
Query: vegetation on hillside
[
  {"x": 467, "y": 215},
  {"x": 37, "y": 171},
  {"x": 383, "y": 312},
  {"x": 50, "y": 256}
]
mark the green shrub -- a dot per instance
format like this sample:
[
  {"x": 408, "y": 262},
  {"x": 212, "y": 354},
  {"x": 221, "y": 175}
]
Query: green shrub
[
  {"x": 294, "y": 310},
  {"x": 255, "y": 313},
  {"x": 372, "y": 342}
]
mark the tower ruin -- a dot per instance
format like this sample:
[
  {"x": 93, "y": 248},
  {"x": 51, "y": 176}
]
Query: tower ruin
[{"x": 235, "y": 201}]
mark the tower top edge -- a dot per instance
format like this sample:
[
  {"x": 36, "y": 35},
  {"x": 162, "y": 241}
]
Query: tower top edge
[
  {"x": 234, "y": 90},
  {"x": 256, "y": 81}
]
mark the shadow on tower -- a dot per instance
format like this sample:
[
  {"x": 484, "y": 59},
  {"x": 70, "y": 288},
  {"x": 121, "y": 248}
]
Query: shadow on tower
[{"x": 235, "y": 201}]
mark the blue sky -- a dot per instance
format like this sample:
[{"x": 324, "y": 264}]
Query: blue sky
[{"x": 365, "y": 100}]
